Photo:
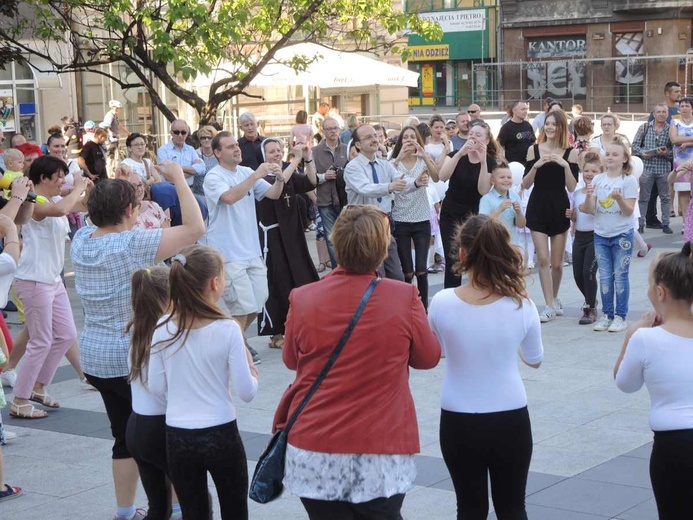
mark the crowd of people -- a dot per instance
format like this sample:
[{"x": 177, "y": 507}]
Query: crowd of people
[{"x": 176, "y": 257}]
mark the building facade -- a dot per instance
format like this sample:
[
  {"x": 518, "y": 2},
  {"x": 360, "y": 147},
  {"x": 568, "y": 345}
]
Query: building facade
[
  {"x": 602, "y": 54},
  {"x": 446, "y": 66}
]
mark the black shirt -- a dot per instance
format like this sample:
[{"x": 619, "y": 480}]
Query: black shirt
[
  {"x": 462, "y": 197},
  {"x": 251, "y": 152},
  {"x": 516, "y": 138},
  {"x": 95, "y": 158}
]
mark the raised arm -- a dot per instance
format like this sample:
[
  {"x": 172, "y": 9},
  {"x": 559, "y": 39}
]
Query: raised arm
[
  {"x": 17, "y": 208},
  {"x": 71, "y": 203},
  {"x": 448, "y": 167},
  {"x": 193, "y": 227}
]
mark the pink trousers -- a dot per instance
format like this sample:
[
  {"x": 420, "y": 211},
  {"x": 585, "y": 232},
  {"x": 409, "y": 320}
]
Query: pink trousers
[{"x": 51, "y": 333}]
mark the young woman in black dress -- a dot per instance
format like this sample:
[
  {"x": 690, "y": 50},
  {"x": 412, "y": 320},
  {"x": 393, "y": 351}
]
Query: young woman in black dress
[
  {"x": 551, "y": 167},
  {"x": 468, "y": 171}
]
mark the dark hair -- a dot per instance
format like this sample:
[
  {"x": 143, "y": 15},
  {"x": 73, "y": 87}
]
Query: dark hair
[
  {"x": 301, "y": 117},
  {"x": 424, "y": 130},
  {"x": 134, "y": 136},
  {"x": 149, "y": 302},
  {"x": 189, "y": 280},
  {"x": 398, "y": 144},
  {"x": 108, "y": 200},
  {"x": 515, "y": 103},
  {"x": 53, "y": 136},
  {"x": 671, "y": 85},
  {"x": 675, "y": 272},
  {"x": 436, "y": 119},
  {"x": 495, "y": 264},
  {"x": 686, "y": 99},
  {"x": 216, "y": 141},
  {"x": 45, "y": 167},
  {"x": 355, "y": 137},
  {"x": 556, "y": 103}
]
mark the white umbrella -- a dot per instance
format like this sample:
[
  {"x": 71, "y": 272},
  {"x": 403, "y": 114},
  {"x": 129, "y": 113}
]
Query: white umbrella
[{"x": 330, "y": 69}]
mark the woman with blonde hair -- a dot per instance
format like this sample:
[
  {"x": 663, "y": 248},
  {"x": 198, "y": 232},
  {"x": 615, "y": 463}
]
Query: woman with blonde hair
[
  {"x": 205, "y": 152},
  {"x": 336, "y": 469}
]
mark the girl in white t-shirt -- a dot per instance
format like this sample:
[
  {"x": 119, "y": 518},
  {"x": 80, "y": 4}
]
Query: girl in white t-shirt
[
  {"x": 197, "y": 353},
  {"x": 611, "y": 198},
  {"x": 584, "y": 261},
  {"x": 658, "y": 352},
  {"x": 145, "y": 435},
  {"x": 484, "y": 424}
]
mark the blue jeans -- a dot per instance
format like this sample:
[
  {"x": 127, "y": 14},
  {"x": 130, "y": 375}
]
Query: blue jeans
[
  {"x": 613, "y": 257},
  {"x": 328, "y": 215}
]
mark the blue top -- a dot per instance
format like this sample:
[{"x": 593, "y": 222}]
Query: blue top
[{"x": 492, "y": 200}]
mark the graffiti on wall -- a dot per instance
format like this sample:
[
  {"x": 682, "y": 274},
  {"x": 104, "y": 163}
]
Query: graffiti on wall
[
  {"x": 556, "y": 77},
  {"x": 627, "y": 72}
]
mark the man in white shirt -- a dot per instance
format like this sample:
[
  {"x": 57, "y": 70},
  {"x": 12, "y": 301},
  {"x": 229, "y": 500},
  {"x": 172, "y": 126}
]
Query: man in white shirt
[
  {"x": 179, "y": 152},
  {"x": 231, "y": 191},
  {"x": 370, "y": 180}
]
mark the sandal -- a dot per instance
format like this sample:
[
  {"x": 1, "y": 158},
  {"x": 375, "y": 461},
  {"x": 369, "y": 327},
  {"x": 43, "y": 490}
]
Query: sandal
[
  {"x": 322, "y": 266},
  {"x": 10, "y": 493},
  {"x": 44, "y": 399},
  {"x": 277, "y": 342},
  {"x": 33, "y": 413}
]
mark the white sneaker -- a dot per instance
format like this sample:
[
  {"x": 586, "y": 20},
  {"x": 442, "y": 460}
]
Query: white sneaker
[
  {"x": 9, "y": 377},
  {"x": 548, "y": 314},
  {"x": 10, "y": 435},
  {"x": 558, "y": 306},
  {"x": 618, "y": 325},
  {"x": 602, "y": 324}
]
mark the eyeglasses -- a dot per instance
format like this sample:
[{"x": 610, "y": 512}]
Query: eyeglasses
[
  {"x": 205, "y": 138},
  {"x": 450, "y": 127},
  {"x": 179, "y": 132},
  {"x": 137, "y": 144},
  {"x": 330, "y": 129},
  {"x": 369, "y": 137},
  {"x": 472, "y": 111}
]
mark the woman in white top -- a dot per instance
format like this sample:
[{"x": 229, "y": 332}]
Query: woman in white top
[
  {"x": 681, "y": 135},
  {"x": 137, "y": 149},
  {"x": 40, "y": 288},
  {"x": 484, "y": 424},
  {"x": 438, "y": 144},
  {"x": 411, "y": 211},
  {"x": 57, "y": 148},
  {"x": 197, "y": 352},
  {"x": 658, "y": 352},
  {"x": 609, "y": 123}
]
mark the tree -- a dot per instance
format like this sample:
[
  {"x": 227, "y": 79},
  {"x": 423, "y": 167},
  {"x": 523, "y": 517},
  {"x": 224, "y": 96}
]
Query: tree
[{"x": 180, "y": 39}]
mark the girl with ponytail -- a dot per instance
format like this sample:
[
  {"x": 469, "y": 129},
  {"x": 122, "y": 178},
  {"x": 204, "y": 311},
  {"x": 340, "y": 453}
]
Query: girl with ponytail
[
  {"x": 197, "y": 352},
  {"x": 484, "y": 424},
  {"x": 658, "y": 352},
  {"x": 145, "y": 435}
]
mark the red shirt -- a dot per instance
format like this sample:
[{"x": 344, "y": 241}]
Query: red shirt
[{"x": 364, "y": 404}]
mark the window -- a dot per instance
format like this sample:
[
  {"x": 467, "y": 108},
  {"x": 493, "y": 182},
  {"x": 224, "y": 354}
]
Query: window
[
  {"x": 18, "y": 99},
  {"x": 630, "y": 74}
]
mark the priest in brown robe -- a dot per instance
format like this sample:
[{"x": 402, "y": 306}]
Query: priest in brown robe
[{"x": 282, "y": 237}]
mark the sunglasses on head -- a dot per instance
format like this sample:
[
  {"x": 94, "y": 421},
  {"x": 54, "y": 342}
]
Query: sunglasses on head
[{"x": 179, "y": 132}]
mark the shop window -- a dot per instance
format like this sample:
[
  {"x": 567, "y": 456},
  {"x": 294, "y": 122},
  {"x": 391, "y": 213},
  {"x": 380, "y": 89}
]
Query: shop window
[
  {"x": 432, "y": 5},
  {"x": 630, "y": 75},
  {"x": 555, "y": 73}
]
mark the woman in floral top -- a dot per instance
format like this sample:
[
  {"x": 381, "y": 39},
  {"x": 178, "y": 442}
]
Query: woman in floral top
[{"x": 151, "y": 215}]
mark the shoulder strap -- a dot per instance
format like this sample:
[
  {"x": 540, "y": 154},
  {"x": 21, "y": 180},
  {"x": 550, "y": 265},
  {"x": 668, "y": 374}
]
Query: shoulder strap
[
  {"x": 146, "y": 167},
  {"x": 566, "y": 154},
  {"x": 644, "y": 134},
  {"x": 536, "y": 152},
  {"x": 338, "y": 349}
]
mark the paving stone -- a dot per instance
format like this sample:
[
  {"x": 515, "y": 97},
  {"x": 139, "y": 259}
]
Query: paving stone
[{"x": 629, "y": 471}]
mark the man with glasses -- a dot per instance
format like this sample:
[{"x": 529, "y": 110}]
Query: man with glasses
[
  {"x": 462, "y": 120},
  {"x": 179, "y": 152},
  {"x": 370, "y": 180},
  {"x": 474, "y": 111},
  {"x": 330, "y": 156},
  {"x": 250, "y": 142}
]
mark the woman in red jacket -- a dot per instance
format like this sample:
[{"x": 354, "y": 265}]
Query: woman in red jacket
[{"x": 351, "y": 451}]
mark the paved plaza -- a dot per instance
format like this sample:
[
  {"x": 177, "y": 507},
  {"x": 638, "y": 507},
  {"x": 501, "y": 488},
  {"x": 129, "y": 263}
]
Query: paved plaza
[{"x": 591, "y": 442}]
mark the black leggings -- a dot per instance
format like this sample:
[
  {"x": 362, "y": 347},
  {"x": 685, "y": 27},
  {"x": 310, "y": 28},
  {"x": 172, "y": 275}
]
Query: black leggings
[
  {"x": 671, "y": 472},
  {"x": 146, "y": 441},
  {"x": 585, "y": 266},
  {"x": 378, "y": 509},
  {"x": 475, "y": 445},
  {"x": 219, "y": 451},
  {"x": 420, "y": 234},
  {"x": 448, "y": 224}
]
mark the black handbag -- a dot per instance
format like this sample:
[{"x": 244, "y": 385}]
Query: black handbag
[{"x": 266, "y": 484}]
